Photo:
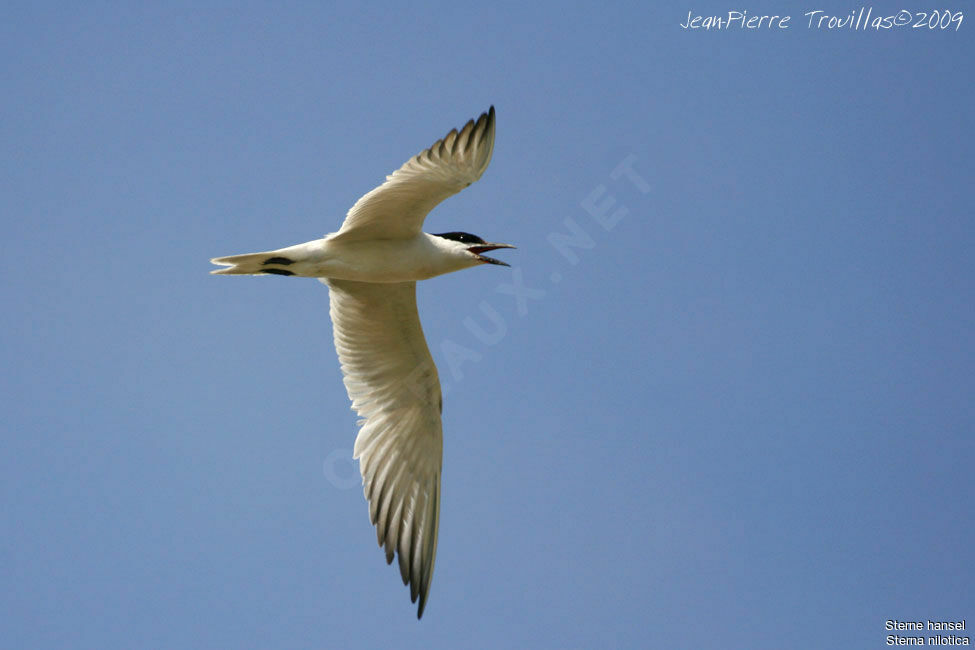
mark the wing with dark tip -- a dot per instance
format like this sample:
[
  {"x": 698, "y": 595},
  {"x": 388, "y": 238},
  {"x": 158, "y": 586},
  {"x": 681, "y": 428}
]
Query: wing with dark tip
[
  {"x": 394, "y": 386},
  {"x": 396, "y": 209}
]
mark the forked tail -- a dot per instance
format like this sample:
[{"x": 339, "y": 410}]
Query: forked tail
[{"x": 254, "y": 264}]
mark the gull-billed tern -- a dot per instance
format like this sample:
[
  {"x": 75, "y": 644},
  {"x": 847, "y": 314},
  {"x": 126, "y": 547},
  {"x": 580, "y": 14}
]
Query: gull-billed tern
[{"x": 371, "y": 266}]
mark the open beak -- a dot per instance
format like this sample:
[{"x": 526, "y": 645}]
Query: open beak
[{"x": 483, "y": 248}]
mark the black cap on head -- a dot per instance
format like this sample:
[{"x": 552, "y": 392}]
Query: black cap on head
[{"x": 462, "y": 237}]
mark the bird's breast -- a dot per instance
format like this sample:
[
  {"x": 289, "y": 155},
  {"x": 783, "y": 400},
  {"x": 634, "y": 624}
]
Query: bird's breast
[{"x": 392, "y": 260}]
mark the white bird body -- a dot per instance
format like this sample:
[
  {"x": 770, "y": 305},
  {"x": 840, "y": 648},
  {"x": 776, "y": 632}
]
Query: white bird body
[
  {"x": 371, "y": 266},
  {"x": 420, "y": 257}
]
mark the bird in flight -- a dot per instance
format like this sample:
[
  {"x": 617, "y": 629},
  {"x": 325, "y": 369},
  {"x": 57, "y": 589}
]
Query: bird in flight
[{"x": 371, "y": 266}]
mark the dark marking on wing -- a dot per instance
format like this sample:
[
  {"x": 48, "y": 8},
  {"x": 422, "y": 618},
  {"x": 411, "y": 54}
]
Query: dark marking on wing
[
  {"x": 284, "y": 261},
  {"x": 277, "y": 271}
]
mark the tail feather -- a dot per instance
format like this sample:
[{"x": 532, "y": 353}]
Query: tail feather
[
  {"x": 249, "y": 264},
  {"x": 291, "y": 260}
]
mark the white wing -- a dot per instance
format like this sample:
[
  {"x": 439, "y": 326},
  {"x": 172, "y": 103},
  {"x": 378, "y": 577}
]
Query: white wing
[
  {"x": 396, "y": 209},
  {"x": 393, "y": 384}
]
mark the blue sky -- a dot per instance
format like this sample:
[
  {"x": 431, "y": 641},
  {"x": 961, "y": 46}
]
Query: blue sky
[{"x": 736, "y": 413}]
